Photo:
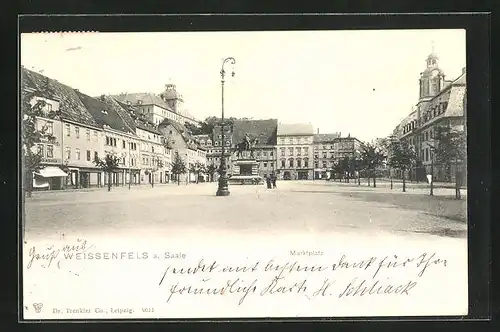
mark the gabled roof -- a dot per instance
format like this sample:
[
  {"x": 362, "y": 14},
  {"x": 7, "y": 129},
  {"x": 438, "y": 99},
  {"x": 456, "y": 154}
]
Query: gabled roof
[
  {"x": 71, "y": 106},
  {"x": 181, "y": 129},
  {"x": 104, "y": 114},
  {"x": 145, "y": 97},
  {"x": 137, "y": 118},
  {"x": 262, "y": 130},
  {"x": 295, "y": 129},
  {"x": 325, "y": 138}
]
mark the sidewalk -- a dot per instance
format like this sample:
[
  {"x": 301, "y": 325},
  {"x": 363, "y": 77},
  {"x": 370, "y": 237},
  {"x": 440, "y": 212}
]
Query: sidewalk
[
  {"x": 115, "y": 188},
  {"x": 399, "y": 182}
]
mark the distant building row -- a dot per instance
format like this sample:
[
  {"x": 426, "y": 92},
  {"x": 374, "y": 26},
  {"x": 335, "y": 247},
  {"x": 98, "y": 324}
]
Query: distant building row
[
  {"x": 145, "y": 133},
  {"x": 291, "y": 151}
]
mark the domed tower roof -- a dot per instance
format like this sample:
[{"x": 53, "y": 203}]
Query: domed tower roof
[{"x": 171, "y": 93}]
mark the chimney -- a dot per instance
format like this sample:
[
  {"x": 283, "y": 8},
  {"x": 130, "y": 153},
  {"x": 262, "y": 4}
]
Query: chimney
[{"x": 317, "y": 131}]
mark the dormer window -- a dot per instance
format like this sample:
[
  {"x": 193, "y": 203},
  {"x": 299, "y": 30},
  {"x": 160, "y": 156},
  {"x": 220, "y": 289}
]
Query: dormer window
[{"x": 104, "y": 112}]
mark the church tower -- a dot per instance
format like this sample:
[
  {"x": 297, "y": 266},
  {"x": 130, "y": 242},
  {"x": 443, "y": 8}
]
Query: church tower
[
  {"x": 172, "y": 97},
  {"x": 432, "y": 78}
]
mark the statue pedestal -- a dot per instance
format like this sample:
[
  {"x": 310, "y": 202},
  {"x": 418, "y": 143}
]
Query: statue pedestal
[{"x": 245, "y": 171}]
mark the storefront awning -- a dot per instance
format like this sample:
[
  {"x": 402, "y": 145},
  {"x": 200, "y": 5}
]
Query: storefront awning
[{"x": 51, "y": 172}]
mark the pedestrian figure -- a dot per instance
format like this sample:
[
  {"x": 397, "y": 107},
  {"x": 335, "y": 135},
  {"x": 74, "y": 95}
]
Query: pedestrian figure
[
  {"x": 458, "y": 185},
  {"x": 273, "y": 180},
  {"x": 268, "y": 182}
]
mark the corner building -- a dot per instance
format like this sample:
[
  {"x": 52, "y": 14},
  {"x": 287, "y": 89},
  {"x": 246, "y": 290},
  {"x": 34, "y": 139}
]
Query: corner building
[{"x": 295, "y": 151}]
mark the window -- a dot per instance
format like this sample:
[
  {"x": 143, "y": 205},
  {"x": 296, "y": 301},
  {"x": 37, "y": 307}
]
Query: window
[
  {"x": 88, "y": 155},
  {"x": 324, "y": 164},
  {"x": 264, "y": 153},
  {"x": 50, "y": 128},
  {"x": 96, "y": 155},
  {"x": 50, "y": 151},
  {"x": 299, "y": 163},
  {"x": 290, "y": 151},
  {"x": 271, "y": 153},
  {"x": 123, "y": 144},
  {"x": 316, "y": 155},
  {"x": 68, "y": 153},
  {"x": 282, "y": 152},
  {"x": 290, "y": 162},
  {"x": 87, "y": 133},
  {"x": 283, "y": 163},
  {"x": 48, "y": 107},
  {"x": 228, "y": 143},
  {"x": 107, "y": 141},
  {"x": 290, "y": 141},
  {"x": 40, "y": 149},
  {"x": 271, "y": 165},
  {"x": 77, "y": 154},
  {"x": 316, "y": 164},
  {"x": 306, "y": 162},
  {"x": 216, "y": 143},
  {"x": 68, "y": 130},
  {"x": 298, "y": 150},
  {"x": 265, "y": 164},
  {"x": 77, "y": 132},
  {"x": 426, "y": 154},
  {"x": 324, "y": 154}
]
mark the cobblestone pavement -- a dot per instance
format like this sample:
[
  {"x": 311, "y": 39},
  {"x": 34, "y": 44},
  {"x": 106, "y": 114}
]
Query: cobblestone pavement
[{"x": 296, "y": 207}]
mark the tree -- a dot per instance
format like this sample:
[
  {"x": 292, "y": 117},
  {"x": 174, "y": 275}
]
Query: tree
[
  {"x": 34, "y": 131},
  {"x": 451, "y": 149},
  {"x": 207, "y": 126},
  {"x": 197, "y": 169},
  {"x": 109, "y": 165},
  {"x": 192, "y": 129},
  {"x": 178, "y": 167},
  {"x": 373, "y": 156},
  {"x": 211, "y": 170},
  {"x": 355, "y": 166},
  {"x": 402, "y": 157}
]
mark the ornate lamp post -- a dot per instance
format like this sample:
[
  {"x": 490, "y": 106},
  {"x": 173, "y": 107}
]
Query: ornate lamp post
[{"x": 222, "y": 189}]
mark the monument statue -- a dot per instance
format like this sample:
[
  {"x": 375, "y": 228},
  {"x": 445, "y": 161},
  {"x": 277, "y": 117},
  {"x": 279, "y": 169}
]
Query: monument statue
[{"x": 246, "y": 145}]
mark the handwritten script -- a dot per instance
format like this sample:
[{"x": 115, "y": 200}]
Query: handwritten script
[
  {"x": 371, "y": 276},
  {"x": 50, "y": 255}
]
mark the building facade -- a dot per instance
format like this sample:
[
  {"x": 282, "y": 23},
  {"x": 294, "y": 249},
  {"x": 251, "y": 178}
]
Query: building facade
[
  {"x": 295, "y": 151},
  {"x": 324, "y": 153},
  {"x": 440, "y": 104},
  {"x": 85, "y": 127}
]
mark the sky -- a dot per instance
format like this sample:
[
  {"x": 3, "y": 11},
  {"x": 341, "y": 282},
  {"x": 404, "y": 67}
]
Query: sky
[{"x": 361, "y": 83}]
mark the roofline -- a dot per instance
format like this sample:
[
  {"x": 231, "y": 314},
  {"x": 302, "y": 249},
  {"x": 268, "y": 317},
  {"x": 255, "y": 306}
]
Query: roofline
[
  {"x": 116, "y": 131},
  {"x": 81, "y": 124}
]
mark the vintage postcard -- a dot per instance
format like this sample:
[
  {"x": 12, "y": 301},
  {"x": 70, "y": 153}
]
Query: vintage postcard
[{"x": 249, "y": 174}]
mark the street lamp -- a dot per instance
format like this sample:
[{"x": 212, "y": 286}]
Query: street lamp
[{"x": 222, "y": 189}]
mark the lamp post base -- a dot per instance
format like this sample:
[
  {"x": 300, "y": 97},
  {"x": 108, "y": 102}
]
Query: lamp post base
[{"x": 223, "y": 188}]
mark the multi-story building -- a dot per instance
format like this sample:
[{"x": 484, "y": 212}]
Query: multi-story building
[
  {"x": 295, "y": 151},
  {"x": 324, "y": 153},
  {"x": 116, "y": 136},
  {"x": 154, "y": 157},
  {"x": 84, "y": 128},
  {"x": 155, "y": 108},
  {"x": 75, "y": 129},
  {"x": 182, "y": 143},
  {"x": 214, "y": 151},
  {"x": 441, "y": 104},
  {"x": 263, "y": 134}
]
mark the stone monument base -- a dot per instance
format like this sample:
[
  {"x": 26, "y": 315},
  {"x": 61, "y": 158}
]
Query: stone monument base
[{"x": 245, "y": 171}]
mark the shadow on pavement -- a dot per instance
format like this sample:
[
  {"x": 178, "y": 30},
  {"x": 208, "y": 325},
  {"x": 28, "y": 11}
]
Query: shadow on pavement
[{"x": 444, "y": 232}]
